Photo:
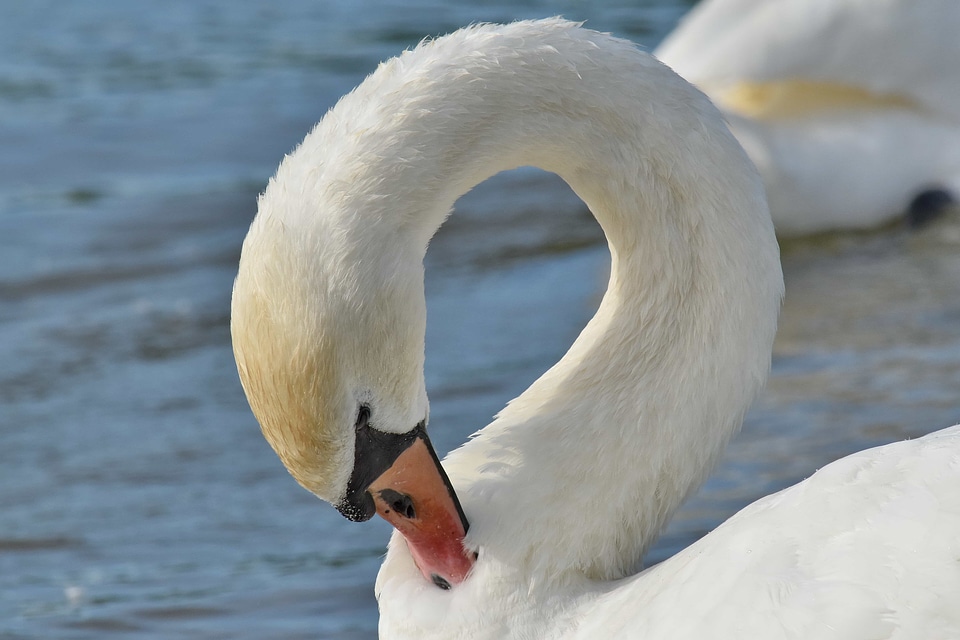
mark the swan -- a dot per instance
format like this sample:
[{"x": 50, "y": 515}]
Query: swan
[
  {"x": 536, "y": 527},
  {"x": 849, "y": 108}
]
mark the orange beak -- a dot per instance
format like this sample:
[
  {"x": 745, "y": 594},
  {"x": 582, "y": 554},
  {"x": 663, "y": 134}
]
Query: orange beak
[{"x": 415, "y": 496}]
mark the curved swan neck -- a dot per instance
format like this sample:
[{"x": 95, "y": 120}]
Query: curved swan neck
[
  {"x": 619, "y": 432},
  {"x": 632, "y": 419}
]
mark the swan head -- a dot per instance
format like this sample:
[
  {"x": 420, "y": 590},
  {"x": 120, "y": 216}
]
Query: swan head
[{"x": 328, "y": 336}]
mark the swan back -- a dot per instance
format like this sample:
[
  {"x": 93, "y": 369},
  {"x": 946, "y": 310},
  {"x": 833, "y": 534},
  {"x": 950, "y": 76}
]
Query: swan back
[{"x": 830, "y": 45}]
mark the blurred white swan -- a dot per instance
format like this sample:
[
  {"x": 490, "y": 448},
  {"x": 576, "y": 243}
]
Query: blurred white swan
[
  {"x": 849, "y": 108},
  {"x": 566, "y": 489}
]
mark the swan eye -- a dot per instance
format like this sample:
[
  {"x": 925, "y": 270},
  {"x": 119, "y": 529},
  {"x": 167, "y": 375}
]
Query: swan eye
[{"x": 363, "y": 417}]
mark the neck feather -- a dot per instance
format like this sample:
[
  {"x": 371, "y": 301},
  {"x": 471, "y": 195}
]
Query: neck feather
[{"x": 580, "y": 473}]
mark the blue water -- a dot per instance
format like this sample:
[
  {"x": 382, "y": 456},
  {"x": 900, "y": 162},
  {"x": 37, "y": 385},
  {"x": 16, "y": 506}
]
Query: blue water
[{"x": 137, "y": 497}]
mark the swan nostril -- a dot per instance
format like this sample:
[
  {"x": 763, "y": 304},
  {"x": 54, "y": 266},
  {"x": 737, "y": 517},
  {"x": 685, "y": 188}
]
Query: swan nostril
[
  {"x": 401, "y": 503},
  {"x": 405, "y": 507},
  {"x": 440, "y": 582}
]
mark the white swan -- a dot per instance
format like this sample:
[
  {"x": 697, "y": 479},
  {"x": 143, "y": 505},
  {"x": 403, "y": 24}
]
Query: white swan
[
  {"x": 565, "y": 490},
  {"x": 849, "y": 108}
]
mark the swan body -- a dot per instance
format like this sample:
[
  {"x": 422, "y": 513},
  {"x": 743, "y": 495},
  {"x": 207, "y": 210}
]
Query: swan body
[
  {"x": 849, "y": 108},
  {"x": 565, "y": 490}
]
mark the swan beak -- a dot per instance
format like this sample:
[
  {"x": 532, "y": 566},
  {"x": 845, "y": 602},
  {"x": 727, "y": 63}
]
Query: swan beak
[{"x": 416, "y": 497}]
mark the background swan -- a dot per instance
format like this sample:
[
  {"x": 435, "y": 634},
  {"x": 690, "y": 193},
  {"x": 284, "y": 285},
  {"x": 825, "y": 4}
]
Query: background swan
[
  {"x": 849, "y": 108},
  {"x": 564, "y": 491}
]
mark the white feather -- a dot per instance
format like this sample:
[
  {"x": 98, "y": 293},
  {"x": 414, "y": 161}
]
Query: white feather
[
  {"x": 573, "y": 481},
  {"x": 849, "y": 108}
]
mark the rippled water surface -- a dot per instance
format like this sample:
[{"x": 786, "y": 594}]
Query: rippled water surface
[{"x": 137, "y": 497}]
